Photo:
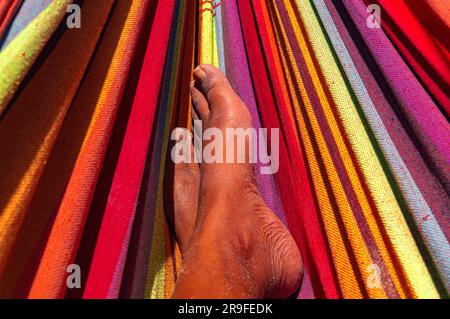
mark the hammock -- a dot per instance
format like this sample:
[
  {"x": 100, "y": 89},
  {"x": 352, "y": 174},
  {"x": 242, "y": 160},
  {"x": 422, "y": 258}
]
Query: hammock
[{"x": 86, "y": 115}]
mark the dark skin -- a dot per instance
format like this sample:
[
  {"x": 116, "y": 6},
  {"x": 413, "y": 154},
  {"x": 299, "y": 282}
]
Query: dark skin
[{"x": 233, "y": 245}]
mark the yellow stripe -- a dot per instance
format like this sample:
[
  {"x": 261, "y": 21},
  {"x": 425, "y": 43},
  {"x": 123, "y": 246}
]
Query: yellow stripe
[
  {"x": 208, "y": 40},
  {"x": 156, "y": 271}
]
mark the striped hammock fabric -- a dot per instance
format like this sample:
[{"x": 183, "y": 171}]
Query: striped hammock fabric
[{"x": 359, "y": 89}]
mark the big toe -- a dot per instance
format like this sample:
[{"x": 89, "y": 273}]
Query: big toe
[
  {"x": 214, "y": 86},
  {"x": 200, "y": 105}
]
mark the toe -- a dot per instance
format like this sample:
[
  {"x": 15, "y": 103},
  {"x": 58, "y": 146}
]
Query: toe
[
  {"x": 214, "y": 85},
  {"x": 199, "y": 103}
]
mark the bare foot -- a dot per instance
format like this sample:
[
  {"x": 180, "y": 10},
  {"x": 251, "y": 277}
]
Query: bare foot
[
  {"x": 239, "y": 247},
  {"x": 185, "y": 198}
]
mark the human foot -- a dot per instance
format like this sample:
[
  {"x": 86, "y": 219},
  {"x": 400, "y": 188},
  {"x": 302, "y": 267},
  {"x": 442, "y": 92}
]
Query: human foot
[
  {"x": 186, "y": 185},
  {"x": 244, "y": 249}
]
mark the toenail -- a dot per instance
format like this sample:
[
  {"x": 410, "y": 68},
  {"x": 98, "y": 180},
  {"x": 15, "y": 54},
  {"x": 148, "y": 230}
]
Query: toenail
[
  {"x": 199, "y": 74},
  {"x": 198, "y": 68}
]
